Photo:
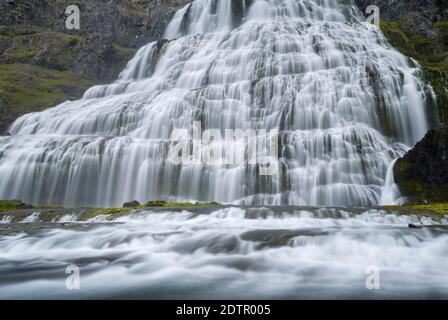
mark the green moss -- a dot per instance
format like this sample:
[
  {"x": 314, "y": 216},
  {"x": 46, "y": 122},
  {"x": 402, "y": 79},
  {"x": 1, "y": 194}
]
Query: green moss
[
  {"x": 74, "y": 40},
  {"x": 7, "y": 205},
  {"x": 396, "y": 36},
  {"x": 122, "y": 51},
  {"x": 23, "y": 52},
  {"x": 103, "y": 212},
  {"x": 26, "y": 88},
  {"x": 437, "y": 208}
]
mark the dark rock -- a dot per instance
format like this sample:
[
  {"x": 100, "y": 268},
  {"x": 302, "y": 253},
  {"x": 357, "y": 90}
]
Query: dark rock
[
  {"x": 18, "y": 204},
  {"x": 277, "y": 238},
  {"x": 131, "y": 204},
  {"x": 156, "y": 203},
  {"x": 422, "y": 174}
]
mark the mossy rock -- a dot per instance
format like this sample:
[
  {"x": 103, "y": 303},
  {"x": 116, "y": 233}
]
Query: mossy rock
[
  {"x": 420, "y": 209},
  {"x": 8, "y": 205},
  {"x": 92, "y": 213}
]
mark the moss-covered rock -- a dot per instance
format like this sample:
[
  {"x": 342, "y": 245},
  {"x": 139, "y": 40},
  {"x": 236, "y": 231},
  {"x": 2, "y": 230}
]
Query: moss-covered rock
[
  {"x": 7, "y": 205},
  {"x": 421, "y": 209},
  {"x": 422, "y": 174},
  {"x": 92, "y": 213}
]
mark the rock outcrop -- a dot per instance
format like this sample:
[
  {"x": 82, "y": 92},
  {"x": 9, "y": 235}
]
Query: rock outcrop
[{"x": 422, "y": 174}]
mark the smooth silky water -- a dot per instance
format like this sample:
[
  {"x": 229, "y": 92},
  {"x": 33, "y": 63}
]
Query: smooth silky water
[
  {"x": 345, "y": 102},
  {"x": 231, "y": 252},
  {"x": 346, "y": 105}
]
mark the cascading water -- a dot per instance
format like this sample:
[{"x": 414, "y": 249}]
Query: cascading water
[{"x": 346, "y": 105}]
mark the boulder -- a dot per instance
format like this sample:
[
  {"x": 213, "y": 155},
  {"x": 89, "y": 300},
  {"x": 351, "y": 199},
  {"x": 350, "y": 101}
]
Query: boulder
[
  {"x": 131, "y": 204},
  {"x": 422, "y": 174}
]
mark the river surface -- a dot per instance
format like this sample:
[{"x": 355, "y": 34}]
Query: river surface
[{"x": 226, "y": 253}]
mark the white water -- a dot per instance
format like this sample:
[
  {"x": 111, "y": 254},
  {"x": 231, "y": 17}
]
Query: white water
[
  {"x": 218, "y": 254},
  {"x": 391, "y": 193},
  {"x": 345, "y": 102}
]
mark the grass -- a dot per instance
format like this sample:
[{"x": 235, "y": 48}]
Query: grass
[
  {"x": 39, "y": 73},
  {"x": 435, "y": 208},
  {"x": 26, "y": 88},
  {"x": 7, "y": 205}
]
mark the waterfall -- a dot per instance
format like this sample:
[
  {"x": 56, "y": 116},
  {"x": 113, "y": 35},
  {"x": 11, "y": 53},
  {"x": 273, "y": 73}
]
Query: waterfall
[
  {"x": 390, "y": 194},
  {"x": 346, "y": 104}
]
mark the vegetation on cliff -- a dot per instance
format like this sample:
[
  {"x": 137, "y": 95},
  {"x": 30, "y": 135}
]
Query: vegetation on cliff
[
  {"x": 431, "y": 54},
  {"x": 435, "y": 208},
  {"x": 38, "y": 50}
]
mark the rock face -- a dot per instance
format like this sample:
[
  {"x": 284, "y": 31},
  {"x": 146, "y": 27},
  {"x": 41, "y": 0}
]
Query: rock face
[
  {"x": 42, "y": 63},
  {"x": 393, "y": 10},
  {"x": 422, "y": 174}
]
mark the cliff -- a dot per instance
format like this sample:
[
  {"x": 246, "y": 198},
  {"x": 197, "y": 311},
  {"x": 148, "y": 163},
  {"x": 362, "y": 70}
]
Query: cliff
[{"x": 42, "y": 63}]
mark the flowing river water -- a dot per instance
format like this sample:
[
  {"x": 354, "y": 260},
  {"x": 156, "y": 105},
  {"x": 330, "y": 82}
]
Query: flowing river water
[{"x": 227, "y": 253}]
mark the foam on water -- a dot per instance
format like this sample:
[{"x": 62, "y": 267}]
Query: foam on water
[{"x": 231, "y": 253}]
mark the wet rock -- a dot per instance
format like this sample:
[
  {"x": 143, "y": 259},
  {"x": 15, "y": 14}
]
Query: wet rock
[
  {"x": 131, "y": 204},
  {"x": 277, "y": 238},
  {"x": 422, "y": 174}
]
